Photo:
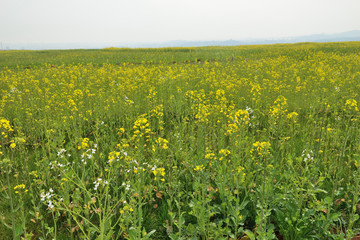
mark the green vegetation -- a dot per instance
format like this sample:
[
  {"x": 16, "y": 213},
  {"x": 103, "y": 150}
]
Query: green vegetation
[{"x": 248, "y": 142}]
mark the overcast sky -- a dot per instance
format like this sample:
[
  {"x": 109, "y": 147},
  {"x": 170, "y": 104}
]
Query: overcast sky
[{"x": 140, "y": 21}]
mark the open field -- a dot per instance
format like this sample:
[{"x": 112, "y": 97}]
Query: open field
[{"x": 248, "y": 142}]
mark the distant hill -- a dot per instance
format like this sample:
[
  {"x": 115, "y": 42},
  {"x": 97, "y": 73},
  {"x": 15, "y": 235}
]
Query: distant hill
[{"x": 338, "y": 37}]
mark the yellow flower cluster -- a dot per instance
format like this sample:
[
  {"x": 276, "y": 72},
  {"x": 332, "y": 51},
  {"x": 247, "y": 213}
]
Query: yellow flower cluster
[
  {"x": 113, "y": 156},
  {"x": 158, "y": 113},
  {"x": 84, "y": 144},
  {"x": 34, "y": 173},
  {"x": 141, "y": 129},
  {"x": 125, "y": 209},
  {"x": 5, "y": 127},
  {"x": 20, "y": 187},
  {"x": 293, "y": 116},
  {"x": 260, "y": 148},
  {"x": 159, "y": 172},
  {"x": 199, "y": 168},
  {"x": 278, "y": 109},
  {"x": 162, "y": 142},
  {"x": 12, "y": 144},
  {"x": 223, "y": 154},
  {"x": 240, "y": 169},
  {"x": 17, "y": 140},
  {"x": 241, "y": 118},
  {"x": 210, "y": 155},
  {"x": 121, "y": 131},
  {"x": 351, "y": 105}
]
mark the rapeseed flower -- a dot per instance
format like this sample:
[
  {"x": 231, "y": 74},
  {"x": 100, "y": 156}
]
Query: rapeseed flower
[
  {"x": 260, "y": 148},
  {"x": 351, "y": 105}
]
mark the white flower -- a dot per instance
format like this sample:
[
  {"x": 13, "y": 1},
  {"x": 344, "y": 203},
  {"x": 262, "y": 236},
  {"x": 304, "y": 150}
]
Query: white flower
[
  {"x": 42, "y": 196},
  {"x": 50, "y": 205},
  {"x": 249, "y": 110},
  {"x": 307, "y": 155},
  {"x": 128, "y": 100}
]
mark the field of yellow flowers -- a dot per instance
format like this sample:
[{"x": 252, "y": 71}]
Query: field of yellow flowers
[{"x": 248, "y": 142}]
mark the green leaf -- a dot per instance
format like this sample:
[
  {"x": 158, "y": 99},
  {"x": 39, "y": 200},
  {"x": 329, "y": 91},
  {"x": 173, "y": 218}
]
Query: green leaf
[
  {"x": 5, "y": 196},
  {"x": 193, "y": 238},
  {"x": 173, "y": 237},
  {"x": 132, "y": 233},
  {"x": 334, "y": 216},
  {"x": 328, "y": 200},
  {"x": 182, "y": 220},
  {"x": 107, "y": 225},
  {"x": 109, "y": 235},
  {"x": 319, "y": 190},
  {"x": 148, "y": 235},
  {"x": 5, "y": 224},
  {"x": 190, "y": 229},
  {"x": 250, "y": 234},
  {"x": 19, "y": 230}
]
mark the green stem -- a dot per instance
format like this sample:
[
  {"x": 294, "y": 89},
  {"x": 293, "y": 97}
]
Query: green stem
[
  {"x": 55, "y": 229},
  {"x": 11, "y": 205},
  {"x": 263, "y": 200}
]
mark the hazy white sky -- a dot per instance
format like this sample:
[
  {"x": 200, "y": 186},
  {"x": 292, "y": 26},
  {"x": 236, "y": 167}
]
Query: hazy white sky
[{"x": 137, "y": 21}]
